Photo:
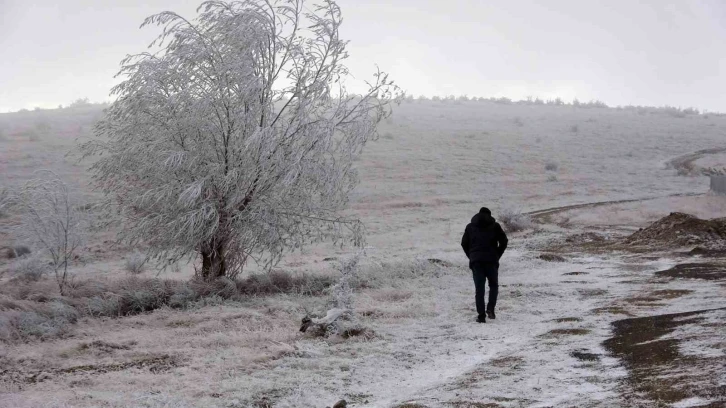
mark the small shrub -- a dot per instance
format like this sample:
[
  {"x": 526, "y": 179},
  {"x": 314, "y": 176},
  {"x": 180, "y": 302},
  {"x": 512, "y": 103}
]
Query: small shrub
[
  {"x": 98, "y": 306},
  {"x": 29, "y": 269},
  {"x": 139, "y": 301},
  {"x": 61, "y": 310},
  {"x": 135, "y": 263},
  {"x": 552, "y": 178},
  {"x": 183, "y": 297},
  {"x": 342, "y": 291},
  {"x": 574, "y": 128},
  {"x": 518, "y": 121},
  {"x": 551, "y": 166},
  {"x": 25, "y": 322},
  {"x": 514, "y": 220},
  {"x": 17, "y": 252}
]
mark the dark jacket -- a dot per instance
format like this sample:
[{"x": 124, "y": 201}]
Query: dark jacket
[{"x": 484, "y": 239}]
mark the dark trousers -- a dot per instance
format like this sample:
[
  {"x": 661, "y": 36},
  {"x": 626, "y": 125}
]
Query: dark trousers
[{"x": 483, "y": 271}]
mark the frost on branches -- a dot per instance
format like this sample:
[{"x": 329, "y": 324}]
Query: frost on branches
[{"x": 237, "y": 138}]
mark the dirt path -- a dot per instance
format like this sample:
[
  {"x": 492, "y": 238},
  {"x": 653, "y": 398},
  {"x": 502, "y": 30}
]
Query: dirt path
[
  {"x": 541, "y": 215},
  {"x": 685, "y": 164}
]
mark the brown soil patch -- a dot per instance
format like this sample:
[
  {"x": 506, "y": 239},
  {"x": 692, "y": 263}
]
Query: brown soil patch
[
  {"x": 565, "y": 332},
  {"x": 568, "y": 319},
  {"x": 552, "y": 258},
  {"x": 707, "y": 253},
  {"x": 584, "y": 238},
  {"x": 611, "y": 310},
  {"x": 652, "y": 361},
  {"x": 490, "y": 371},
  {"x": 706, "y": 271},
  {"x": 642, "y": 299},
  {"x": 509, "y": 362},
  {"x": 471, "y": 404},
  {"x": 592, "y": 292},
  {"x": 585, "y": 356},
  {"x": 679, "y": 230},
  {"x": 671, "y": 293}
]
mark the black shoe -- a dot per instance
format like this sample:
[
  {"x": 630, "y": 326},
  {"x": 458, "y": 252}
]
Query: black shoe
[
  {"x": 491, "y": 315},
  {"x": 481, "y": 319}
]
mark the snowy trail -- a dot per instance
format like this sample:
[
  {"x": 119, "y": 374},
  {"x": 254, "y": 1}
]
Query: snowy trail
[
  {"x": 546, "y": 347},
  {"x": 526, "y": 343}
]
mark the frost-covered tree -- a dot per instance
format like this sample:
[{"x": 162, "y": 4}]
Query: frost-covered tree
[{"x": 236, "y": 139}]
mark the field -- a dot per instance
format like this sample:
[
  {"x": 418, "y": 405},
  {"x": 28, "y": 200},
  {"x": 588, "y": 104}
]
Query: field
[{"x": 593, "y": 323}]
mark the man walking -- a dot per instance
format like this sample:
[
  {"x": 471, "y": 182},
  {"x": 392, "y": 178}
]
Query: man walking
[{"x": 484, "y": 242}]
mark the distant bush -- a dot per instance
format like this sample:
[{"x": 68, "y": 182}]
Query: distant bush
[
  {"x": 574, "y": 128},
  {"x": 518, "y": 121},
  {"x": 551, "y": 166},
  {"x": 552, "y": 178},
  {"x": 501, "y": 101},
  {"x": 135, "y": 263},
  {"x": 594, "y": 104},
  {"x": 436, "y": 98},
  {"x": 17, "y": 251},
  {"x": 514, "y": 220},
  {"x": 79, "y": 103}
]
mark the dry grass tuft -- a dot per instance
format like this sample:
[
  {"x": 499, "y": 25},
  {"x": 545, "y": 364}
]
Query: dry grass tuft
[
  {"x": 33, "y": 309},
  {"x": 135, "y": 263},
  {"x": 514, "y": 220},
  {"x": 29, "y": 269},
  {"x": 277, "y": 281}
]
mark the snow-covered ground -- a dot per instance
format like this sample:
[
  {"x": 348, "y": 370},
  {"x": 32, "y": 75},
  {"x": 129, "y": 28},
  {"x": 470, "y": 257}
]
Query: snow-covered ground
[{"x": 433, "y": 167}]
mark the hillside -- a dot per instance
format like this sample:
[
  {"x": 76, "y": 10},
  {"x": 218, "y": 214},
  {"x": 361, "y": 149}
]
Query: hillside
[{"x": 589, "y": 176}]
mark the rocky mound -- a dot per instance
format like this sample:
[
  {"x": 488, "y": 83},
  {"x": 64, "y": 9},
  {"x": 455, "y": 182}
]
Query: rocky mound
[{"x": 679, "y": 230}]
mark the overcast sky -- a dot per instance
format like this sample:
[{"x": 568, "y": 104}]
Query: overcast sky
[{"x": 645, "y": 52}]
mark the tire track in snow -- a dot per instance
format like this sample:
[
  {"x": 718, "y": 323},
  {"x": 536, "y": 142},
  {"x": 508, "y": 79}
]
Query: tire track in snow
[
  {"x": 684, "y": 164},
  {"x": 539, "y": 215}
]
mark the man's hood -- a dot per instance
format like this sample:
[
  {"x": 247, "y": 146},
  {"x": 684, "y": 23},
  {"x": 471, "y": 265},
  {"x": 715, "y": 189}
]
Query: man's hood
[{"x": 482, "y": 220}]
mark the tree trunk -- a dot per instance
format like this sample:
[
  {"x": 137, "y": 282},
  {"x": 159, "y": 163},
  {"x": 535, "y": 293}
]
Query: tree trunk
[{"x": 213, "y": 265}]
